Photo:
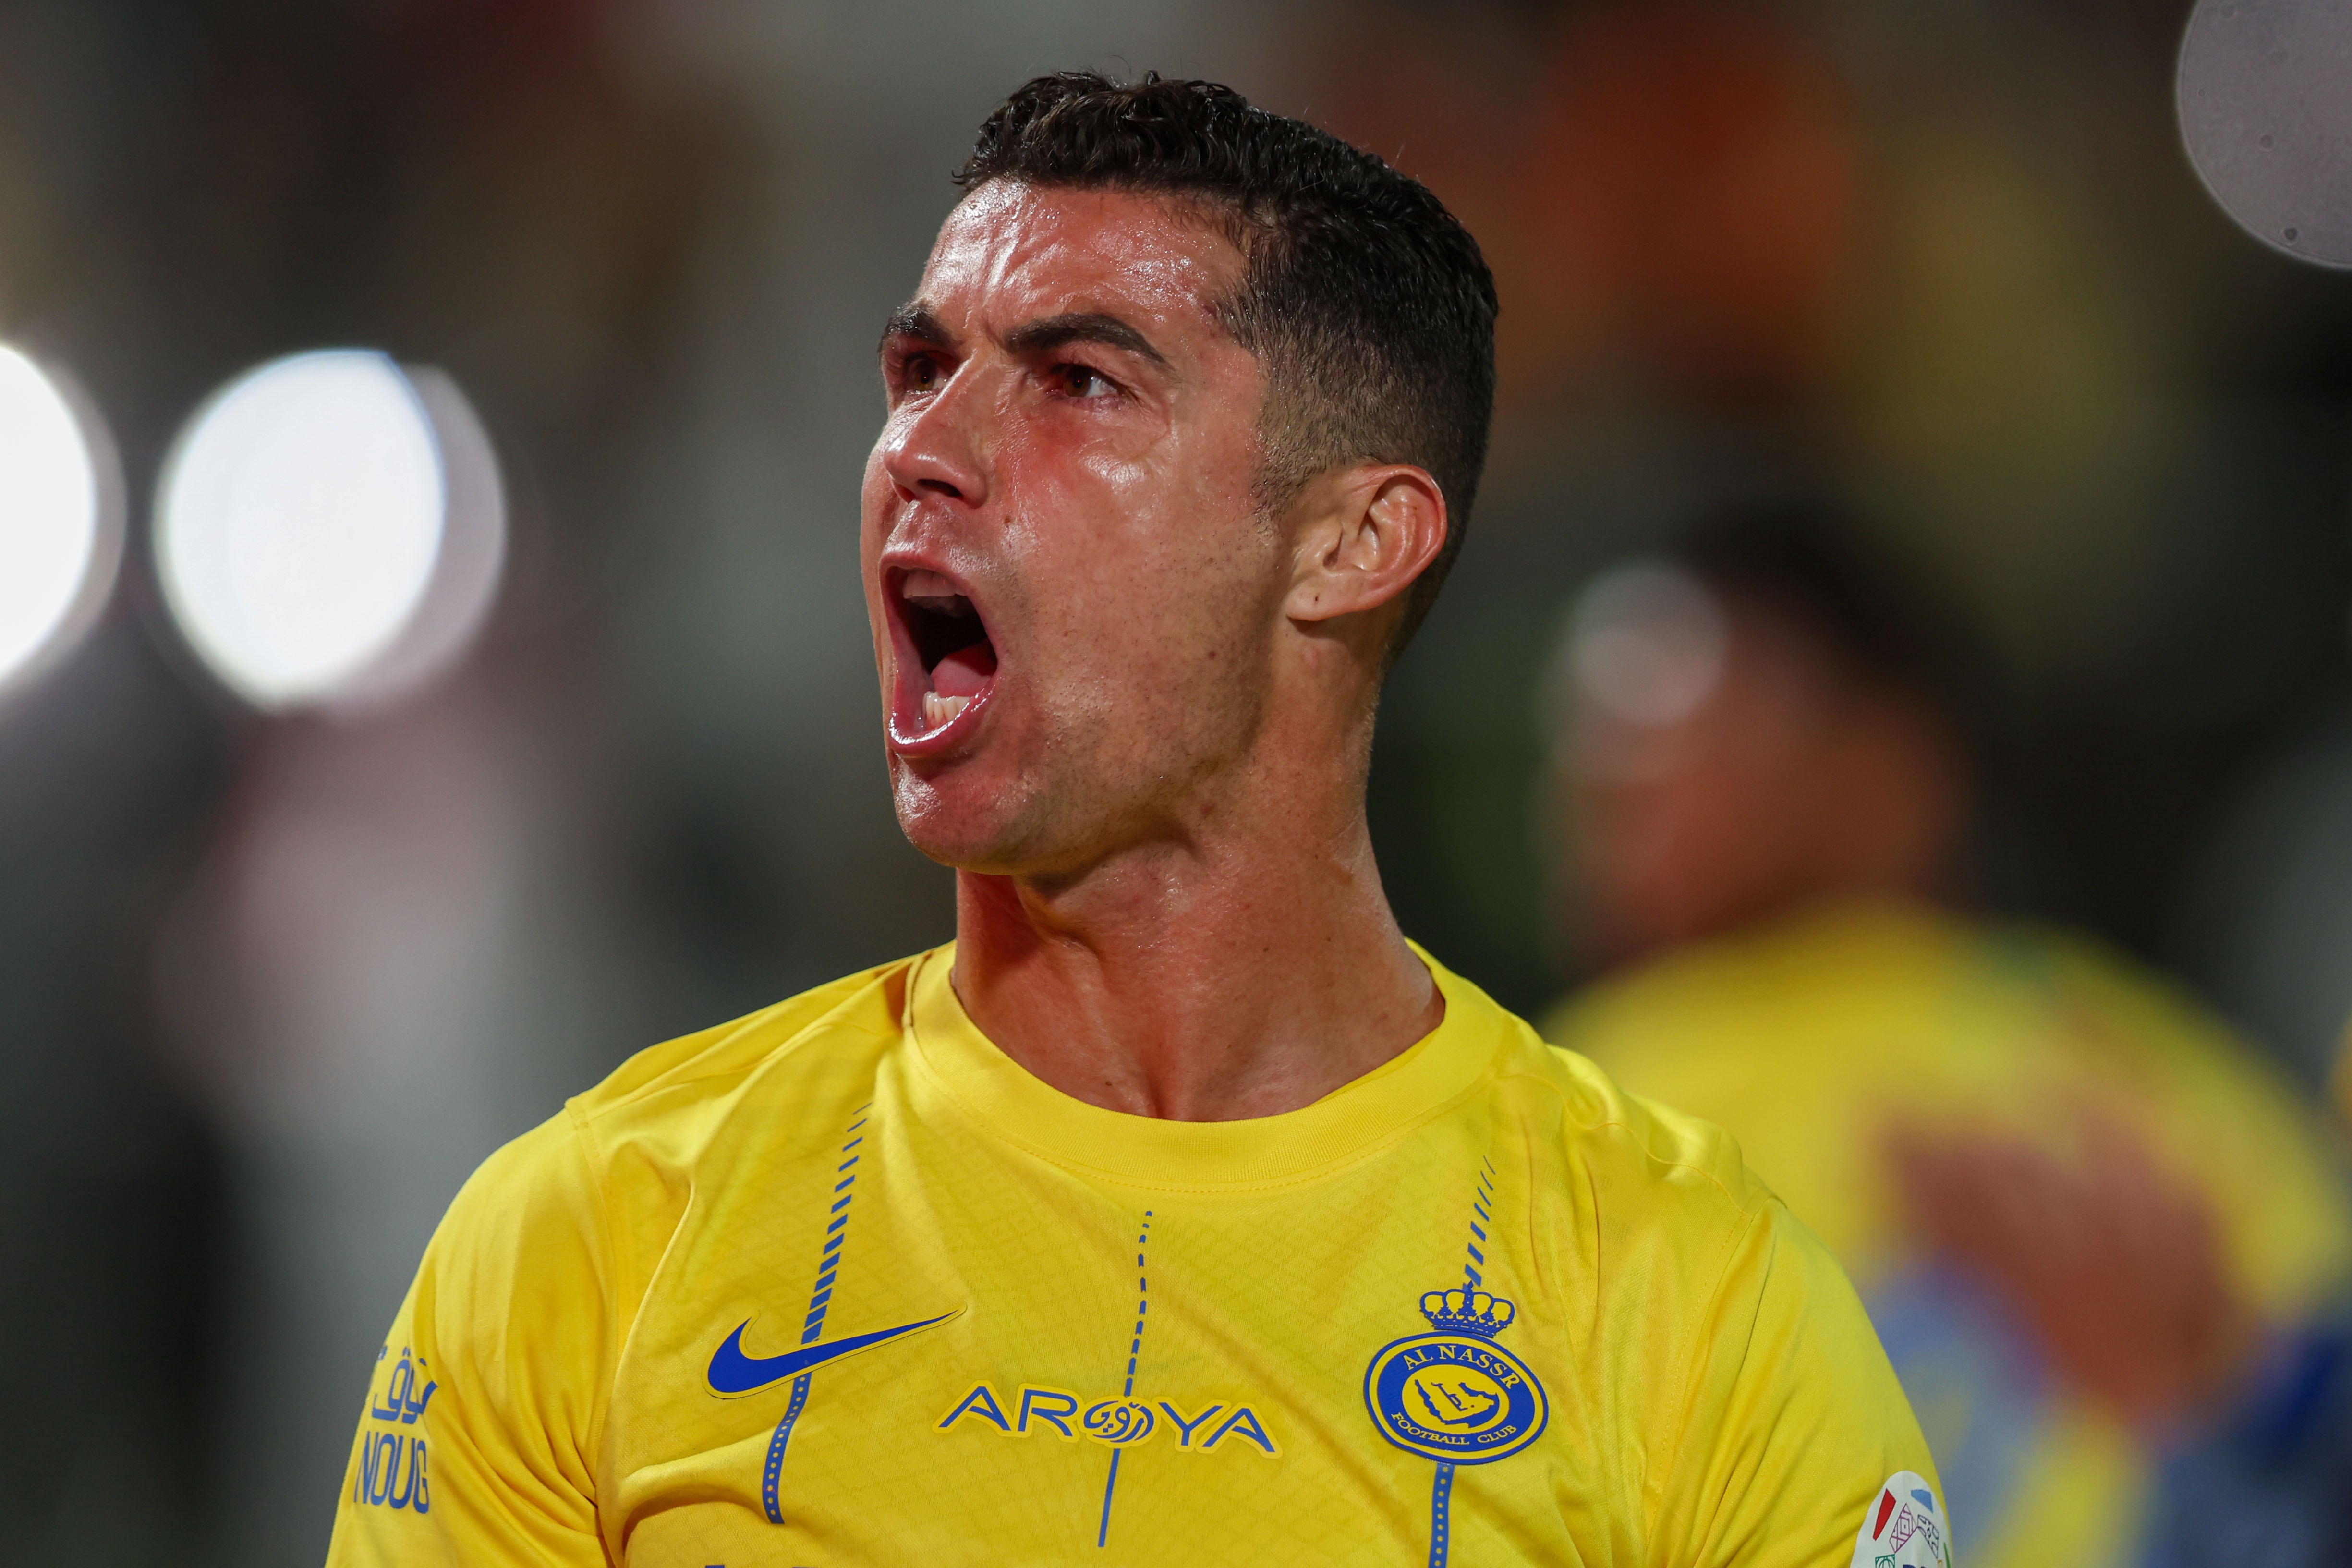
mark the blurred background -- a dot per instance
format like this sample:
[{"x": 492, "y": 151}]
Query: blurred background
[{"x": 284, "y": 951}]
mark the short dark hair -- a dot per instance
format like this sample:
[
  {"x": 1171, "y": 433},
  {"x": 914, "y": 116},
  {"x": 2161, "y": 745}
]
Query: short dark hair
[
  {"x": 1366, "y": 302},
  {"x": 1868, "y": 604}
]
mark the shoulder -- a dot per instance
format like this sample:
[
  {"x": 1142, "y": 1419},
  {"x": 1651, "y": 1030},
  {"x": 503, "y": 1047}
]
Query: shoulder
[
  {"x": 2216, "y": 1110},
  {"x": 1668, "y": 1218},
  {"x": 1641, "y": 1216},
  {"x": 1691, "y": 1261},
  {"x": 2165, "y": 1057},
  {"x": 866, "y": 1005},
  {"x": 608, "y": 1175},
  {"x": 1583, "y": 1130},
  {"x": 784, "y": 1063},
  {"x": 674, "y": 1079},
  {"x": 1625, "y": 1147},
  {"x": 2116, "y": 994}
]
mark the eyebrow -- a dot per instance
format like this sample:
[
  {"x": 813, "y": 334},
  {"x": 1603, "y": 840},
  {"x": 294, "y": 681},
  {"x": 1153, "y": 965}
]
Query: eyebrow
[
  {"x": 915, "y": 322},
  {"x": 1081, "y": 327},
  {"x": 918, "y": 323}
]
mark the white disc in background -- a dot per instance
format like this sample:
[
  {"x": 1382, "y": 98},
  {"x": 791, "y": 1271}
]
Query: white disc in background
[{"x": 2265, "y": 100}]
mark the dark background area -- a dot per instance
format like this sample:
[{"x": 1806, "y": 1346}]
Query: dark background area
[{"x": 270, "y": 985}]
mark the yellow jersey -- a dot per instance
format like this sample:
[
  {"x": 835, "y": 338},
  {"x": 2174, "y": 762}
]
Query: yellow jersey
[
  {"x": 841, "y": 1283},
  {"x": 1815, "y": 1041}
]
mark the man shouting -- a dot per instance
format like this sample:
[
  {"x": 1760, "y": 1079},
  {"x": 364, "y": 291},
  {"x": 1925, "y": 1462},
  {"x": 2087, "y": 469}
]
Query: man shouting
[{"x": 1182, "y": 1211}]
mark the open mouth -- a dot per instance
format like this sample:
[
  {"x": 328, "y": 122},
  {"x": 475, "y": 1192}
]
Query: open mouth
[{"x": 949, "y": 645}]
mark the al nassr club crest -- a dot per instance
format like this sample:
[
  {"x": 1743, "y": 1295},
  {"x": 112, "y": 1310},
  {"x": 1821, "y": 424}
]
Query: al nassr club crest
[{"x": 1452, "y": 1394}]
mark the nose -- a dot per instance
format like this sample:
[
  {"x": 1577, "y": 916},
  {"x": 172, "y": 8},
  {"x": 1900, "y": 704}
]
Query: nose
[{"x": 938, "y": 449}]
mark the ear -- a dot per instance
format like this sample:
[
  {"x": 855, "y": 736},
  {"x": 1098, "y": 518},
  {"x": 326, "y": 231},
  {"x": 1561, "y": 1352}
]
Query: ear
[{"x": 1366, "y": 533}]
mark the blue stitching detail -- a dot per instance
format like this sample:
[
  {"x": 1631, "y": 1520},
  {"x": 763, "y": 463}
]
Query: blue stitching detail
[
  {"x": 813, "y": 1326},
  {"x": 1441, "y": 1524},
  {"x": 1135, "y": 1345}
]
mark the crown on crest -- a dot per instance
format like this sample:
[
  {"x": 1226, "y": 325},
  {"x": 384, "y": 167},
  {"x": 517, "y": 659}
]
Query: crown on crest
[{"x": 1463, "y": 1312}]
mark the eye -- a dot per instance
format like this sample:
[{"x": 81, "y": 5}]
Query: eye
[
  {"x": 1084, "y": 381},
  {"x": 920, "y": 373}
]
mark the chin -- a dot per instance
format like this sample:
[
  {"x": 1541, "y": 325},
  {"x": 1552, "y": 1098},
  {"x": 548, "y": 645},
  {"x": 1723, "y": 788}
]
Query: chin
[
  {"x": 995, "y": 826},
  {"x": 958, "y": 820}
]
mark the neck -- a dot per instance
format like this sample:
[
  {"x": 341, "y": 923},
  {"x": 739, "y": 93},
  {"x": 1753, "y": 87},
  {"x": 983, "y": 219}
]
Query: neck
[{"x": 1235, "y": 974}]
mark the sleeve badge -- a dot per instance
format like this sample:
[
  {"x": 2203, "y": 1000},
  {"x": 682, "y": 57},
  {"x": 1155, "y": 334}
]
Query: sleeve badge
[{"x": 1905, "y": 1527}]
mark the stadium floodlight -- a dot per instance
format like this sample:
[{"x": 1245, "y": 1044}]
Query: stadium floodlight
[
  {"x": 329, "y": 529},
  {"x": 60, "y": 518}
]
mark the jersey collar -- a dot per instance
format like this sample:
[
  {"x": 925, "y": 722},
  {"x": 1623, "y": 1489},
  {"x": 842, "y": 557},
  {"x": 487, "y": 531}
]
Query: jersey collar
[{"x": 1353, "y": 1121}]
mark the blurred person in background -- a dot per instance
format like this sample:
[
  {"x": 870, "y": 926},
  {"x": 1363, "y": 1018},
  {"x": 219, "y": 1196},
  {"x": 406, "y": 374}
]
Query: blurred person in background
[{"x": 2075, "y": 1204}]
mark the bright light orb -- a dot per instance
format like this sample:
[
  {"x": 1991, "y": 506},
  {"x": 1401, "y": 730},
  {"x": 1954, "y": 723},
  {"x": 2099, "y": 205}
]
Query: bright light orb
[
  {"x": 473, "y": 556},
  {"x": 57, "y": 544},
  {"x": 298, "y": 522}
]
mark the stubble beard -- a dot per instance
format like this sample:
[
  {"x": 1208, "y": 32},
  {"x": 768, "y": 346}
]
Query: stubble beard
[{"x": 1086, "y": 790}]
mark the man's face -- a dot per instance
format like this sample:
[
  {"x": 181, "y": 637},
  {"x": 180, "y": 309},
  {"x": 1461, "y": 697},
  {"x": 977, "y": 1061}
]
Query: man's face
[
  {"x": 1774, "y": 781},
  {"x": 1073, "y": 591}
]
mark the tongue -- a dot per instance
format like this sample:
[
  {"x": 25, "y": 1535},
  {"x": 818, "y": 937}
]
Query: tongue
[{"x": 966, "y": 671}]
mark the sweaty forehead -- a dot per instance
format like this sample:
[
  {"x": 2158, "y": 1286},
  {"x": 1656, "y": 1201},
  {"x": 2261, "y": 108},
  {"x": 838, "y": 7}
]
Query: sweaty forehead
[{"x": 1011, "y": 252}]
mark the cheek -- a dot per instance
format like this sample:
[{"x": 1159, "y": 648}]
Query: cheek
[
  {"x": 875, "y": 495},
  {"x": 1067, "y": 461},
  {"x": 1093, "y": 526},
  {"x": 1140, "y": 550},
  {"x": 1184, "y": 534}
]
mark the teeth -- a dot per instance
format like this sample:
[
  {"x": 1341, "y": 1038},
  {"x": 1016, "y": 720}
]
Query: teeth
[
  {"x": 938, "y": 710},
  {"x": 934, "y": 593}
]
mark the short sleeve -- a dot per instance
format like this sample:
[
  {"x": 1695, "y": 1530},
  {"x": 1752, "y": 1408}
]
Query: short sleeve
[
  {"x": 1793, "y": 1427},
  {"x": 475, "y": 1446}
]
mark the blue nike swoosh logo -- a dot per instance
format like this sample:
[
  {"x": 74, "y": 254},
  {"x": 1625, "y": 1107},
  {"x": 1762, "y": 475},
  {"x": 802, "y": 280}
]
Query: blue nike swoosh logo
[{"x": 733, "y": 1373}]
